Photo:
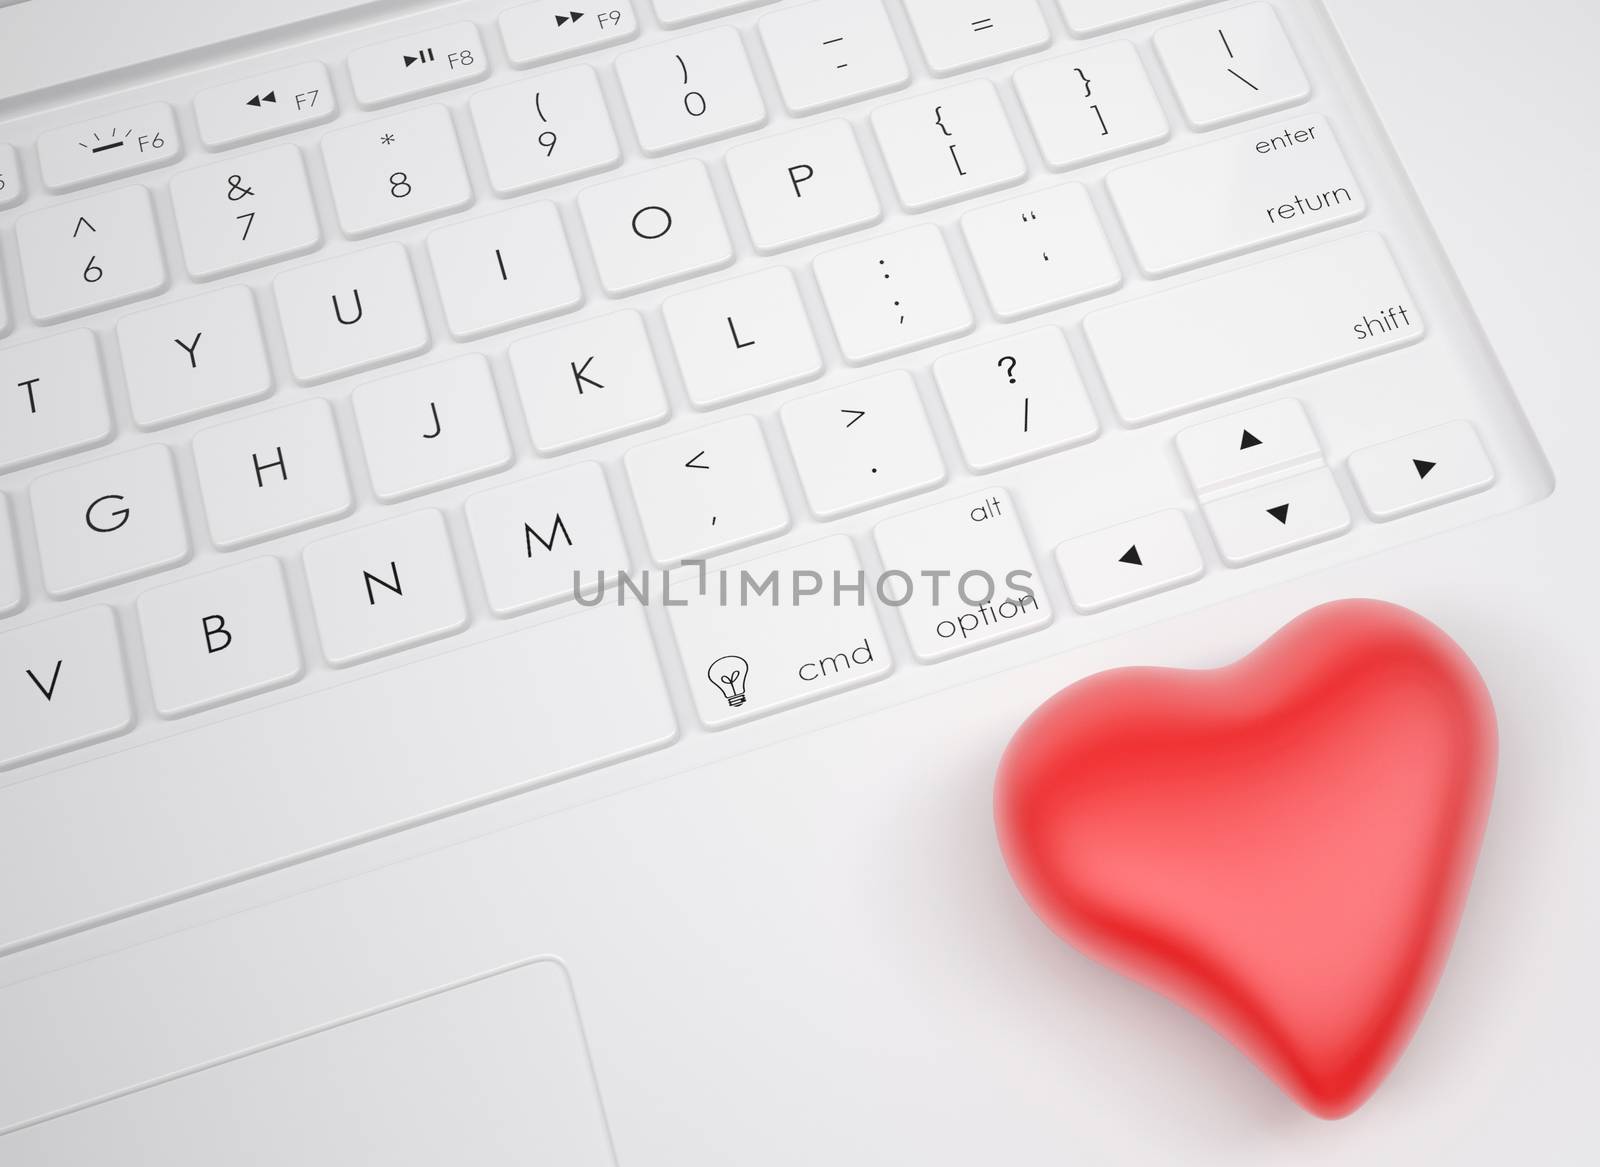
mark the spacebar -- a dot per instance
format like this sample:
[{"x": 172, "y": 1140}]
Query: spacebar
[{"x": 237, "y": 796}]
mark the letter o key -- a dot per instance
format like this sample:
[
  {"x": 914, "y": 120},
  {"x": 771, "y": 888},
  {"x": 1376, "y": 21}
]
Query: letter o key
[{"x": 662, "y": 216}]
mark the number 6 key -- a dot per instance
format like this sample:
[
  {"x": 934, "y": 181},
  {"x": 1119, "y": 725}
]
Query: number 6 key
[{"x": 82, "y": 256}]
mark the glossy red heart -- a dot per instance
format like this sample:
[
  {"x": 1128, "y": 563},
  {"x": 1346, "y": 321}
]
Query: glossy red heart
[{"x": 1283, "y": 846}]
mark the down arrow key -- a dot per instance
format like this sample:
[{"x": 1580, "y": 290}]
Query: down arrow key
[{"x": 1264, "y": 521}]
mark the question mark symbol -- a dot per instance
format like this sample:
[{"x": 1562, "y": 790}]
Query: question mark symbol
[{"x": 1009, "y": 364}]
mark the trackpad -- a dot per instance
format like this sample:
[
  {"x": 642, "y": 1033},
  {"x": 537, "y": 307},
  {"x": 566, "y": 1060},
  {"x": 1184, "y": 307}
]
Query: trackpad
[{"x": 493, "y": 1071}]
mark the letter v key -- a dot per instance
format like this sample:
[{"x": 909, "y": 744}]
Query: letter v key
[{"x": 50, "y": 692}]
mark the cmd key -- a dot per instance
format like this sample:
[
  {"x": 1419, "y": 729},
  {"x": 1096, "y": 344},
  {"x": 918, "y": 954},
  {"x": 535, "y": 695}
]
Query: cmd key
[{"x": 811, "y": 632}]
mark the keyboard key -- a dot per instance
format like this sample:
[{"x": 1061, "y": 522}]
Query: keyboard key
[
  {"x": 707, "y": 490},
  {"x": 418, "y": 63},
  {"x": 1040, "y": 250},
  {"x": 830, "y": 52},
  {"x": 1418, "y": 471},
  {"x": 429, "y": 428},
  {"x": 90, "y": 254},
  {"x": 892, "y": 294},
  {"x": 268, "y": 104},
  {"x": 1129, "y": 561},
  {"x": 799, "y": 187},
  {"x": 11, "y": 188},
  {"x": 1091, "y": 105},
  {"x": 1015, "y": 398},
  {"x": 1086, "y": 17},
  {"x": 1231, "y": 66},
  {"x": 947, "y": 145},
  {"x": 672, "y": 13},
  {"x": 954, "y": 39},
  {"x": 272, "y": 473},
  {"x": 655, "y": 227},
  {"x": 396, "y": 170},
  {"x": 252, "y": 791},
  {"x": 742, "y": 337},
  {"x": 1257, "y": 326},
  {"x": 104, "y": 522},
  {"x": 551, "y": 128},
  {"x": 1235, "y": 195},
  {"x": 52, "y": 398},
  {"x": 10, "y": 569},
  {"x": 535, "y": 538},
  {"x": 113, "y": 146},
  {"x": 1240, "y": 446},
  {"x": 193, "y": 357},
  {"x": 350, "y": 313},
  {"x": 972, "y": 578},
  {"x": 747, "y": 659},
  {"x": 690, "y": 90},
  {"x": 219, "y": 637},
  {"x": 497, "y": 271},
  {"x": 862, "y": 444},
  {"x": 383, "y": 588},
  {"x": 62, "y": 686},
  {"x": 1278, "y": 517},
  {"x": 547, "y": 30},
  {"x": 245, "y": 212},
  {"x": 588, "y": 382}
]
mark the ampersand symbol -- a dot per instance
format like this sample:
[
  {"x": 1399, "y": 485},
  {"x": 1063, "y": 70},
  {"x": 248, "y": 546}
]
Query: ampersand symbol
[{"x": 236, "y": 189}]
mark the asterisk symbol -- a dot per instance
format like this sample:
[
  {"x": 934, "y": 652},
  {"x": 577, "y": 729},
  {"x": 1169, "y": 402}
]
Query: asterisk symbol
[{"x": 387, "y": 139}]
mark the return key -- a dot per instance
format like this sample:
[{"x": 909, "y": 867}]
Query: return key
[{"x": 1235, "y": 195}]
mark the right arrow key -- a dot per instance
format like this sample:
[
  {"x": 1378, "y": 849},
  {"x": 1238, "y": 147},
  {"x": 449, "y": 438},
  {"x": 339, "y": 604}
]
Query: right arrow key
[{"x": 1421, "y": 470}]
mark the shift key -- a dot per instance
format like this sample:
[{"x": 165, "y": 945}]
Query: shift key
[
  {"x": 770, "y": 633},
  {"x": 1253, "y": 327}
]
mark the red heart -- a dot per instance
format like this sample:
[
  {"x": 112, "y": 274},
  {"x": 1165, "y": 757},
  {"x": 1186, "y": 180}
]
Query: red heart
[{"x": 1283, "y": 846}]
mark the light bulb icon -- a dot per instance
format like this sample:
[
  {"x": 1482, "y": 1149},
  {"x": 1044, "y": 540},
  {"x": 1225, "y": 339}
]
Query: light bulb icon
[{"x": 728, "y": 674}]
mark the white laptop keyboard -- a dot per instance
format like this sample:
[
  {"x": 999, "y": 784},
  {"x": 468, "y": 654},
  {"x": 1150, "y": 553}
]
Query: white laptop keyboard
[{"x": 373, "y": 342}]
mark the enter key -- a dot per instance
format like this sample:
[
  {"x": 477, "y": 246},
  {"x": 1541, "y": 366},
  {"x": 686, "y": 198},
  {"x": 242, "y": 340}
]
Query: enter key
[{"x": 1235, "y": 195}]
